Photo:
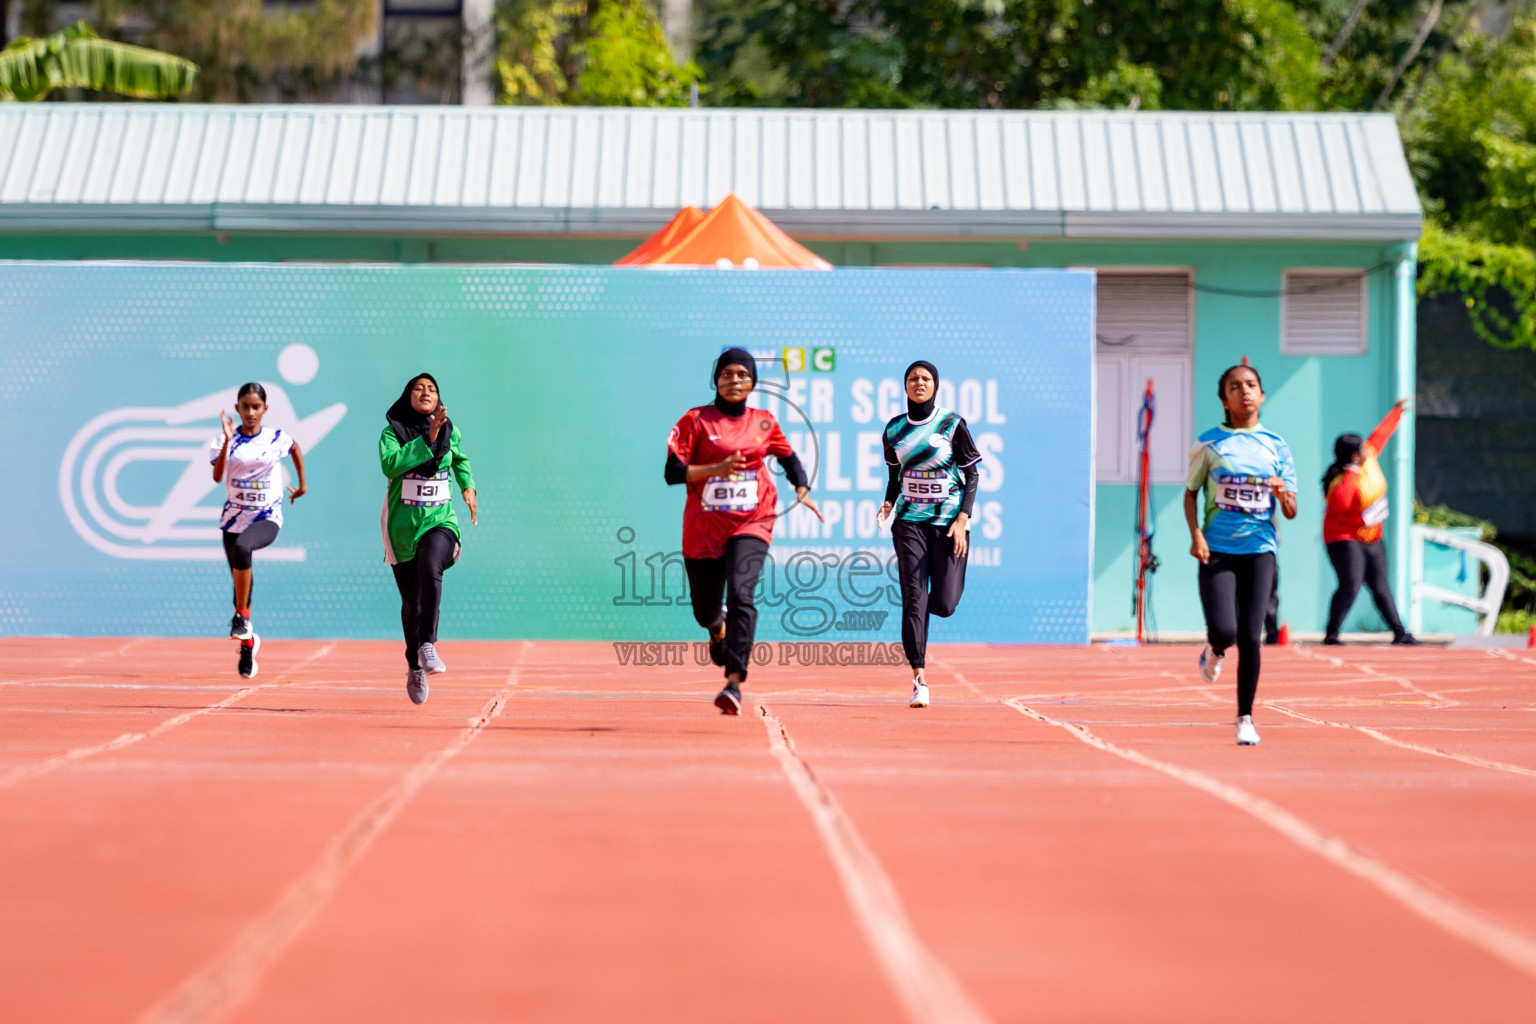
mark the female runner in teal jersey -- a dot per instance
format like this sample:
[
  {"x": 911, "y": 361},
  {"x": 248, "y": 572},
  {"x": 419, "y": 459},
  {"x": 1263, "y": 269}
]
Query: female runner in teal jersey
[
  {"x": 932, "y": 462},
  {"x": 1245, "y": 471}
]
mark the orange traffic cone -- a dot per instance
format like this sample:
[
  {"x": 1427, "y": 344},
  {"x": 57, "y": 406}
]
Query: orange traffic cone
[
  {"x": 1284, "y": 639},
  {"x": 1530, "y": 638}
]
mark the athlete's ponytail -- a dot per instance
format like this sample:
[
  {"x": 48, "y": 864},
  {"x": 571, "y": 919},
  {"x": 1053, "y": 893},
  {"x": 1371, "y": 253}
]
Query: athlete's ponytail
[
  {"x": 1221, "y": 387},
  {"x": 252, "y": 389}
]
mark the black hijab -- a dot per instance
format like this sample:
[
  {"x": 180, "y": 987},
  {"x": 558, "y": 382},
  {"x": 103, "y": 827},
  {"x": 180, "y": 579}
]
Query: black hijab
[
  {"x": 408, "y": 424},
  {"x": 732, "y": 357},
  {"x": 921, "y": 410}
]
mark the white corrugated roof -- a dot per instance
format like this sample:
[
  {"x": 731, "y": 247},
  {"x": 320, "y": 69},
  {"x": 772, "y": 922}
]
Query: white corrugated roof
[{"x": 859, "y": 173}]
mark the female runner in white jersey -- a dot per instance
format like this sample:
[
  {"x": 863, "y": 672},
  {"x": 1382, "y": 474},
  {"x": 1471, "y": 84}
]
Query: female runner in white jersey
[{"x": 247, "y": 461}]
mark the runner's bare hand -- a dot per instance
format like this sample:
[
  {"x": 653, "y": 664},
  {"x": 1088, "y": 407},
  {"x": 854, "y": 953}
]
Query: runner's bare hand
[
  {"x": 885, "y": 510},
  {"x": 474, "y": 506},
  {"x": 1199, "y": 548},
  {"x": 734, "y": 464},
  {"x": 960, "y": 535},
  {"x": 435, "y": 424},
  {"x": 804, "y": 494},
  {"x": 228, "y": 423}
]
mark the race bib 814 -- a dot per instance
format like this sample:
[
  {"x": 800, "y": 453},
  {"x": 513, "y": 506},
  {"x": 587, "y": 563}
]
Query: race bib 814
[{"x": 734, "y": 493}]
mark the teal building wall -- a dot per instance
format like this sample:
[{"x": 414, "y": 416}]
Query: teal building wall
[{"x": 1237, "y": 313}]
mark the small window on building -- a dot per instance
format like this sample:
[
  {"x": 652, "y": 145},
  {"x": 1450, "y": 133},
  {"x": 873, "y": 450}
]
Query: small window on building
[
  {"x": 1323, "y": 313},
  {"x": 1145, "y": 331}
]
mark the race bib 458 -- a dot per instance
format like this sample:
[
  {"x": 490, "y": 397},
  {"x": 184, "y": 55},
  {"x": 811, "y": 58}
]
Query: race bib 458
[{"x": 253, "y": 494}]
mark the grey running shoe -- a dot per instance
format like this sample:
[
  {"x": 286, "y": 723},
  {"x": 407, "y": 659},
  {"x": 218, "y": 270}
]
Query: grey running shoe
[
  {"x": 416, "y": 686},
  {"x": 240, "y": 627},
  {"x": 426, "y": 655},
  {"x": 248, "y": 666},
  {"x": 728, "y": 700}
]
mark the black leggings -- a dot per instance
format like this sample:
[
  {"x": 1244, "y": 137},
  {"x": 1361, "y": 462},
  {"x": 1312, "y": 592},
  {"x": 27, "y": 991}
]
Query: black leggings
[
  {"x": 932, "y": 580},
  {"x": 421, "y": 588},
  {"x": 1357, "y": 562},
  {"x": 239, "y": 547},
  {"x": 734, "y": 576},
  {"x": 1235, "y": 592}
]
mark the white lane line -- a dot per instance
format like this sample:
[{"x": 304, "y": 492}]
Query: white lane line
[
  {"x": 234, "y": 975},
  {"x": 1402, "y": 681},
  {"x": 23, "y": 772},
  {"x": 1478, "y": 762},
  {"x": 1466, "y": 922},
  {"x": 923, "y": 985}
]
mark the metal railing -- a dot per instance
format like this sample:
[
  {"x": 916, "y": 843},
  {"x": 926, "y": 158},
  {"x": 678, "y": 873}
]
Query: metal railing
[{"x": 1485, "y": 605}]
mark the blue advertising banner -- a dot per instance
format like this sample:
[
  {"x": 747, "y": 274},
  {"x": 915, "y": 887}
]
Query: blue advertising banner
[{"x": 564, "y": 382}]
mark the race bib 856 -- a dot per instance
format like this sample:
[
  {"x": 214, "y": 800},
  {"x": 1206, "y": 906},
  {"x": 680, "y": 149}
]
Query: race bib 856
[{"x": 1247, "y": 494}]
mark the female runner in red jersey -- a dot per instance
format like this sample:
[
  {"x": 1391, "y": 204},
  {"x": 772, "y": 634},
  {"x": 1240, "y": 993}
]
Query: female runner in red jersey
[{"x": 718, "y": 451}]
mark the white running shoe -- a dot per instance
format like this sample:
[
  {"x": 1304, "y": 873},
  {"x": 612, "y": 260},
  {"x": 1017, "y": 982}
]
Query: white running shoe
[
  {"x": 1247, "y": 735},
  {"x": 1210, "y": 664},
  {"x": 426, "y": 657},
  {"x": 919, "y": 694}
]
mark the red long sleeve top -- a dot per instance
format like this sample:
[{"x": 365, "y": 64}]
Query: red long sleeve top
[{"x": 1357, "y": 498}]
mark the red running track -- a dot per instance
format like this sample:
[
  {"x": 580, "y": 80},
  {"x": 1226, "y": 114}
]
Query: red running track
[{"x": 1065, "y": 835}]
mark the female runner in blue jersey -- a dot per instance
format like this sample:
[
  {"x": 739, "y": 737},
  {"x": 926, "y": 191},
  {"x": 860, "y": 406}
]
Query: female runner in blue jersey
[
  {"x": 932, "y": 462},
  {"x": 1245, "y": 472}
]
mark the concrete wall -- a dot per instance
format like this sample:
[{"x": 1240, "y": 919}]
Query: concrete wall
[{"x": 1310, "y": 400}]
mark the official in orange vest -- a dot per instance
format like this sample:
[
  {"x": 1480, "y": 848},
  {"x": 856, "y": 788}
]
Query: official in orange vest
[{"x": 1357, "y": 507}]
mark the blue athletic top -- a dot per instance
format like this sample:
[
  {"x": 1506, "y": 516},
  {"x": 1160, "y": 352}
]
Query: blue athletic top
[{"x": 1232, "y": 466}]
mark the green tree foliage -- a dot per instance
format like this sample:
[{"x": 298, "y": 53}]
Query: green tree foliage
[
  {"x": 1182, "y": 54},
  {"x": 1472, "y": 143},
  {"x": 587, "y": 52},
  {"x": 248, "y": 49},
  {"x": 77, "y": 58}
]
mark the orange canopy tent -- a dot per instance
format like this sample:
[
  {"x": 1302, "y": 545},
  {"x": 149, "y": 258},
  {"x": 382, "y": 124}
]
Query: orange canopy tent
[
  {"x": 676, "y": 230},
  {"x": 732, "y": 234}
]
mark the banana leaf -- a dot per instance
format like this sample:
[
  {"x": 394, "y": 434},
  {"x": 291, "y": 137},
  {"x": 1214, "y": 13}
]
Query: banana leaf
[{"x": 77, "y": 58}]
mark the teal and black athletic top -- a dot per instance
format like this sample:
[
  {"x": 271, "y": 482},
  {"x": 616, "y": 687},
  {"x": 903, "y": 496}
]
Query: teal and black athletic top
[{"x": 932, "y": 463}]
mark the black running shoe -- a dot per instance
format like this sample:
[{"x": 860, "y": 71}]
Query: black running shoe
[
  {"x": 248, "y": 666},
  {"x": 717, "y": 649},
  {"x": 240, "y": 627},
  {"x": 1407, "y": 640},
  {"x": 728, "y": 700},
  {"x": 1332, "y": 641}
]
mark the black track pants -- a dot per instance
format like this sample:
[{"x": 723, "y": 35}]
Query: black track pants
[
  {"x": 421, "y": 589},
  {"x": 1357, "y": 562},
  {"x": 732, "y": 576},
  {"x": 1235, "y": 592},
  {"x": 932, "y": 580},
  {"x": 239, "y": 547}
]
